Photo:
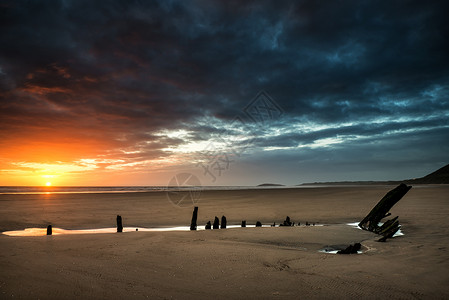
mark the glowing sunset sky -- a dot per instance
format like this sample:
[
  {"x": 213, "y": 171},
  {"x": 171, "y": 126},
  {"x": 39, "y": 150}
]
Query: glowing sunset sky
[{"x": 134, "y": 92}]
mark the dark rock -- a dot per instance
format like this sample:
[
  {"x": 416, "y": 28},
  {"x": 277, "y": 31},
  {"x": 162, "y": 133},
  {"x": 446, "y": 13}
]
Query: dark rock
[
  {"x": 223, "y": 222},
  {"x": 49, "y": 230},
  {"x": 208, "y": 225},
  {"x": 351, "y": 249},
  {"x": 216, "y": 223},
  {"x": 119, "y": 224},
  {"x": 244, "y": 223},
  {"x": 194, "y": 217},
  {"x": 258, "y": 224}
]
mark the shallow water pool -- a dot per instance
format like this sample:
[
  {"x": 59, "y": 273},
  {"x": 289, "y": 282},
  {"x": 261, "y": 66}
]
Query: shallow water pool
[{"x": 60, "y": 231}]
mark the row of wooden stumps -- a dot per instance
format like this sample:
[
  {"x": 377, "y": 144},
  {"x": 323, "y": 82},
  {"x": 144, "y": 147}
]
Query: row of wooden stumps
[
  {"x": 193, "y": 224},
  {"x": 216, "y": 224},
  {"x": 369, "y": 223}
]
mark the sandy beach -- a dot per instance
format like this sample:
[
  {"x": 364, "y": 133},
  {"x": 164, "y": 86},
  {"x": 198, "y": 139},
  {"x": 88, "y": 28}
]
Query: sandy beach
[{"x": 236, "y": 263}]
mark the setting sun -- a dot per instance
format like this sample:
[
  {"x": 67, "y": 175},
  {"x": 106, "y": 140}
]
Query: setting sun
[{"x": 48, "y": 184}]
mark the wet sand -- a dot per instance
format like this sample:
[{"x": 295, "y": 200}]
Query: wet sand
[{"x": 233, "y": 263}]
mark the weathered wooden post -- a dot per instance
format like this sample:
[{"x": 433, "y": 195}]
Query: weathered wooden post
[
  {"x": 258, "y": 224},
  {"x": 244, "y": 223},
  {"x": 49, "y": 230},
  {"x": 119, "y": 224},
  {"x": 208, "y": 225},
  {"x": 216, "y": 223},
  {"x": 223, "y": 222},
  {"x": 194, "y": 217}
]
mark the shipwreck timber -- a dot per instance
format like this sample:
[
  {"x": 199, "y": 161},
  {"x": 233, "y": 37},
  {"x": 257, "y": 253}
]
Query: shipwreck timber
[{"x": 381, "y": 210}]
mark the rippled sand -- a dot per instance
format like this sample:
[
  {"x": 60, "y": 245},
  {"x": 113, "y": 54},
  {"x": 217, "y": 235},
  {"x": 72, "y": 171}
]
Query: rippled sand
[{"x": 280, "y": 262}]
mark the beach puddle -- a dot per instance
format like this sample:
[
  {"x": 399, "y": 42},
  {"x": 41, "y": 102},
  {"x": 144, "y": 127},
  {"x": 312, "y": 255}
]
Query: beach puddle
[
  {"x": 60, "y": 231},
  {"x": 335, "y": 249}
]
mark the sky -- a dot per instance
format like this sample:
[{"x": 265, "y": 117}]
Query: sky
[{"x": 102, "y": 93}]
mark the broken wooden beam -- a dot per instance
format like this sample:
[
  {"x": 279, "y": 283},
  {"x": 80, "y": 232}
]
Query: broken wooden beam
[
  {"x": 390, "y": 230},
  {"x": 194, "y": 217},
  {"x": 381, "y": 210},
  {"x": 387, "y": 225}
]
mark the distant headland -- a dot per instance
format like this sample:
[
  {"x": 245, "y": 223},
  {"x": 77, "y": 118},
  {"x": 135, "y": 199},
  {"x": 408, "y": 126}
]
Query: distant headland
[{"x": 440, "y": 176}]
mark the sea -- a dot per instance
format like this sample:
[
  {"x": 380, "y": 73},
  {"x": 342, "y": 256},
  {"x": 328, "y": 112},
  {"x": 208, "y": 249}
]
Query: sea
[{"x": 115, "y": 189}]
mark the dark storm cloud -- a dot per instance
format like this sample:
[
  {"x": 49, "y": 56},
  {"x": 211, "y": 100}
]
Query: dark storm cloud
[{"x": 120, "y": 71}]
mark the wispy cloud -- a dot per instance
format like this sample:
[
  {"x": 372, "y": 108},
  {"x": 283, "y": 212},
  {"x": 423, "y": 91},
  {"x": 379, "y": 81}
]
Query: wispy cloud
[{"x": 103, "y": 87}]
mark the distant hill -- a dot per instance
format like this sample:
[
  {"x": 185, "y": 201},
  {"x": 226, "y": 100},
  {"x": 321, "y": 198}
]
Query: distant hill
[
  {"x": 352, "y": 183},
  {"x": 271, "y": 184},
  {"x": 440, "y": 176}
]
